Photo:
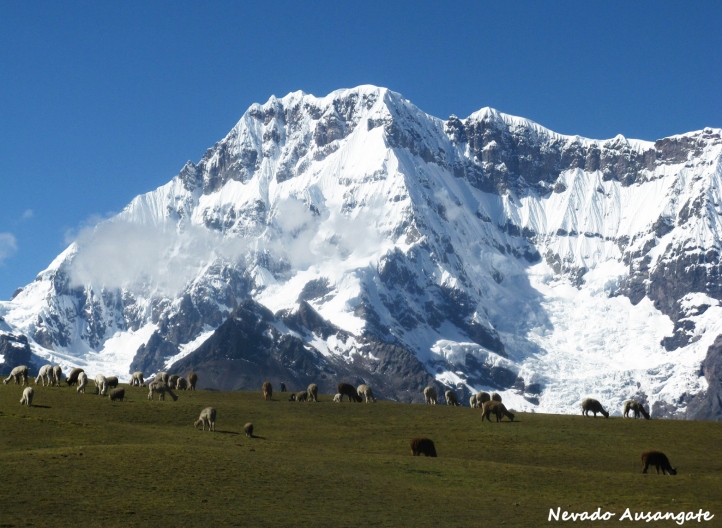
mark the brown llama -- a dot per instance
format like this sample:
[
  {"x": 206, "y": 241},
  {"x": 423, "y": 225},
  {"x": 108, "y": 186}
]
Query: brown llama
[
  {"x": 658, "y": 460},
  {"x": 72, "y": 378},
  {"x": 344, "y": 389},
  {"x": 423, "y": 446}
]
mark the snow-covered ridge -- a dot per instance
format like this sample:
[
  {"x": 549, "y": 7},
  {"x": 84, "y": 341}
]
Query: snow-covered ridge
[
  {"x": 484, "y": 245},
  {"x": 512, "y": 122}
]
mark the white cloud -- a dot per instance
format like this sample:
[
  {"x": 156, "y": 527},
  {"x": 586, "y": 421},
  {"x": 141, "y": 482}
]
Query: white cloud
[
  {"x": 163, "y": 259},
  {"x": 86, "y": 226},
  {"x": 27, "y": 214},
  {"x": 292, "y": 215},
  {"x": 8, "y": 246},
  {"x": 118, "y": 254},
  {"x": 453, "y": 208},
  {"x": 304, "y": 238}
]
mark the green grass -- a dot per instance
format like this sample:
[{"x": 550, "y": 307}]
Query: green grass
[{"x": 76, "y": 459}]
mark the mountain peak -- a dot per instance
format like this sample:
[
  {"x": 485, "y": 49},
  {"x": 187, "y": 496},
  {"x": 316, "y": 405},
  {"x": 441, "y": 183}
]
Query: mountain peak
[{"x": 486, "y": 253}]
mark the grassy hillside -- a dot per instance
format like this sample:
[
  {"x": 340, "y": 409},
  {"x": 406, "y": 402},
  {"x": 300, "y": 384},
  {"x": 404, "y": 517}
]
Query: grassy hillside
[{"x": 80, "y": 459}]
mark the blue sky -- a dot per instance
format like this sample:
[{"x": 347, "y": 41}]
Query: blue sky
[{"x": 102, "y": 101}]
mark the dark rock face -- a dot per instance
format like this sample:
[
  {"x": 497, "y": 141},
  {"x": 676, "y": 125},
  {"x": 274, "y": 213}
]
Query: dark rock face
[
  {"x": 392, "y": 371},
  {"x": 679, "y": 149},
  {"x": 486, "y": 337},
  {"x": 328, "y": 130},
  {"x": 408, "y": 128},
  {"x": 182, "y": 325},
  {"x": 708, "y": 404},
  {"x": 16, "y": 351},
  {"x": 681, "y": 336},
  {"x": 99, "y": 311},
  {"x": 684, "y": 273},
  {"x": 506, "y": 156},
  {"x": 662, "y": 409},
  {"x": 191, "y": 177},
  {"x": 314, "y": 289},
  {"x": 413, "y": 303},
  {"x": 680, "y": 270},
  {"x": 455, "y": 130},
  {"x": 151, "y": 356},
  {"x": 494, "y": 377},
  {"x": 222, "y": 164},
  {"x": 198, "y": 308},
  {"x": 306, "y": 318},
  {"x": 248, "y": 349},
  {"x": 102, "y": 312}
]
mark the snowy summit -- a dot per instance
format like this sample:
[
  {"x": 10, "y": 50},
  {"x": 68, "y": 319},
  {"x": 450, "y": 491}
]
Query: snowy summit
[{"x": 355, "y": 237}]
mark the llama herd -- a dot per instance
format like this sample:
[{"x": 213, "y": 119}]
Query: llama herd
[
  {"x": 490, "y": 404},
  {"x": 163, "y": 383},
  {"x": 50, "y": 375},
  {"x": 363, "y": 392}
]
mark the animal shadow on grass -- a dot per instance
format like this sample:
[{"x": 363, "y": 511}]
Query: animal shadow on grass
[
  {"x": 42, "y": 406},
  {"x": 253, "y": 437},
  {"x": 235, "y": 433}
]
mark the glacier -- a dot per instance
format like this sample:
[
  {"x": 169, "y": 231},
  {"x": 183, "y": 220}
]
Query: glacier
[{"x": 499, "y": 254}]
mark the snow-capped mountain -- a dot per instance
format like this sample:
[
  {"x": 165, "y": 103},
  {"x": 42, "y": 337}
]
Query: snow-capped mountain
[{"x": 355, "y": 237}]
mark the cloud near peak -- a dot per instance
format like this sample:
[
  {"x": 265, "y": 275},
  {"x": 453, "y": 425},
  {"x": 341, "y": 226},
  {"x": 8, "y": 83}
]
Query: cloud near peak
[
  {"x": 119, "y": 254},
  {"x": 8, "y": 246}
]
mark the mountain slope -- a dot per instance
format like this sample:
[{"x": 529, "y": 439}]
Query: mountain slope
[{"x": 489, "y": 252}]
